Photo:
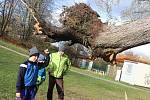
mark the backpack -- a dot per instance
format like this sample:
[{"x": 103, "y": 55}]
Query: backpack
[
  {"x": 41, "y": 76},
  {"x": 41, "y": 71}
]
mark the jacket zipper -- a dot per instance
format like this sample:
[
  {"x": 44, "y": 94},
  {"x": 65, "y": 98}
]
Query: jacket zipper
[{"x": 58, "y": 67}]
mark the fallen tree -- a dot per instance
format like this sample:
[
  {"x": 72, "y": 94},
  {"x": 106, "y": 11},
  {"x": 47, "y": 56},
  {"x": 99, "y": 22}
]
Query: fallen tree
[
  {"x": 118, "y": 39},
  {"x": 103, "y": 43}
]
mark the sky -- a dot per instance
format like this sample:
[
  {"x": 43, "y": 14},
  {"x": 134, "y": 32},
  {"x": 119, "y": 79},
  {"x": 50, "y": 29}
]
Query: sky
[
  {"x": 116, "y": 9},
  {"x": 141, "y": 50},
  {"x": 116, "y": 12}
]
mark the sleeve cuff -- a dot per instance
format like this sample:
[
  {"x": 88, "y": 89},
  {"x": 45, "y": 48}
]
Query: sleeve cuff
[{"x": 18, "y": 89}]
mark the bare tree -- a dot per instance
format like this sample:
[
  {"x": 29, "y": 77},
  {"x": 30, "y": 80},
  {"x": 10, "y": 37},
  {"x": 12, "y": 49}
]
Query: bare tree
[
  {"x": 105, "y": 6},
  {"x": 37, "y": 11},
  {"x": 8, "y": 7},
  {"x": 139, "y": 9},
  {"x": 18, "y": 19}
]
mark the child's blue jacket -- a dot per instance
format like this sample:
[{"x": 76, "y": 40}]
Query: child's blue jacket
[{"x": 27, "y": 75}]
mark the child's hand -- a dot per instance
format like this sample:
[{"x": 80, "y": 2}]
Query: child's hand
[
  {"x": 17, "y": 94},
  {"x": 40, "y": 61},
  {"x": 39, "y": 80}
]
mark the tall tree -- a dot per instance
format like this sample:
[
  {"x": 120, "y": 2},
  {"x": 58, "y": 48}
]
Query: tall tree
[
  {"x": 19, "y": 18},
  {"x": 8, "y": 7}
]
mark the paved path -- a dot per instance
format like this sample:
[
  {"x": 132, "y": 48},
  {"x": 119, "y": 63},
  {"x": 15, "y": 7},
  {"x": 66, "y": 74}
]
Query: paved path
[{"x": 109, "y": 81}]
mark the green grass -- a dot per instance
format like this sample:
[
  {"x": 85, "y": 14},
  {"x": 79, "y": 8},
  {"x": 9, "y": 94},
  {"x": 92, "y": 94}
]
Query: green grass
[
  {"x": 14, "y": 47},
  {"x": 91, "y": 73},
  {"x": 77, "y": 86},
  {"x": 9, "y": 63},
  {"x": 95, "y": 89}
]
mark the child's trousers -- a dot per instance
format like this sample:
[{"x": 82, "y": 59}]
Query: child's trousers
[{"x": 28, "y": 93}]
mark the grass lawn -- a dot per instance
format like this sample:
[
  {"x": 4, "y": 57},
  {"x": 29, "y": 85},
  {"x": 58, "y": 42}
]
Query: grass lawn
[
  {"x": 14, "y": 47},
  {"x": 9, "y": 63},
  {"x": 77, "y": 86}
]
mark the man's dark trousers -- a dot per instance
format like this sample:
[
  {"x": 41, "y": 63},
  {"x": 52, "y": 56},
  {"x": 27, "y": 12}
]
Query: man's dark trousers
[{"x": 59, "y": 87}]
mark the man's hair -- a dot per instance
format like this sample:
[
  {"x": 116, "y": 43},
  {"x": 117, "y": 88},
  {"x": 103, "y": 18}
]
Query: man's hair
[{"x": 61, "y": 48}]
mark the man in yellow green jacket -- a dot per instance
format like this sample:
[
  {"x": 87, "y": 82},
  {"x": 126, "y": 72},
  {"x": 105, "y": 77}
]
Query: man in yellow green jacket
[{"x": 58, "y": 67}]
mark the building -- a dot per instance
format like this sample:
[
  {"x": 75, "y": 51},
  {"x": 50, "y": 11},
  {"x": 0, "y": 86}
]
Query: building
[{"x": 134, "y": 73}]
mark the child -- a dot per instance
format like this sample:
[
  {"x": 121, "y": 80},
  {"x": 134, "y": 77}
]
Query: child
[
  {"x": 27, "y": 77},
  {"x": 43, "y": 62}
]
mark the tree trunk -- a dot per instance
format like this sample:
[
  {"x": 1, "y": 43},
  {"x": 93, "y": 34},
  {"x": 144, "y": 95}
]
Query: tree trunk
[
  {"x": 124, "y": 37},
  {"x": 115, "y": 40}
]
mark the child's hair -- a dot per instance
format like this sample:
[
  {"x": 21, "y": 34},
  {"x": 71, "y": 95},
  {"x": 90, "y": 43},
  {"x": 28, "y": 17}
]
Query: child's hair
[{"x": 41, "y": 57}]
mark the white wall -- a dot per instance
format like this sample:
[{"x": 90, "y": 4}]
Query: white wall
[
  {"x": 142, "y": 75},
  {"x": 136, "y": 74},
  {"x": 128, "y": 72}
]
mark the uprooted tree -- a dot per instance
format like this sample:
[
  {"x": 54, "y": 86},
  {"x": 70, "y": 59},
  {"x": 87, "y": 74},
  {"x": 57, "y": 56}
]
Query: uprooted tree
[{"x": 82, "y": 25}]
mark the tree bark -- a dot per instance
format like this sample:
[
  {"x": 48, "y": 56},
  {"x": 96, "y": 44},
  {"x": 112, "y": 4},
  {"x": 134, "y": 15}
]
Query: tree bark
[
  {"x": 124, "y": 37},
  {"x": 108, "y": 44}
]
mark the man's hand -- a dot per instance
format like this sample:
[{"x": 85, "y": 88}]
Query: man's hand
[
  {"x": 46, "y": 51},
  {"x": 17, "y": 94},
  {"x": 92, "y": 58}
]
